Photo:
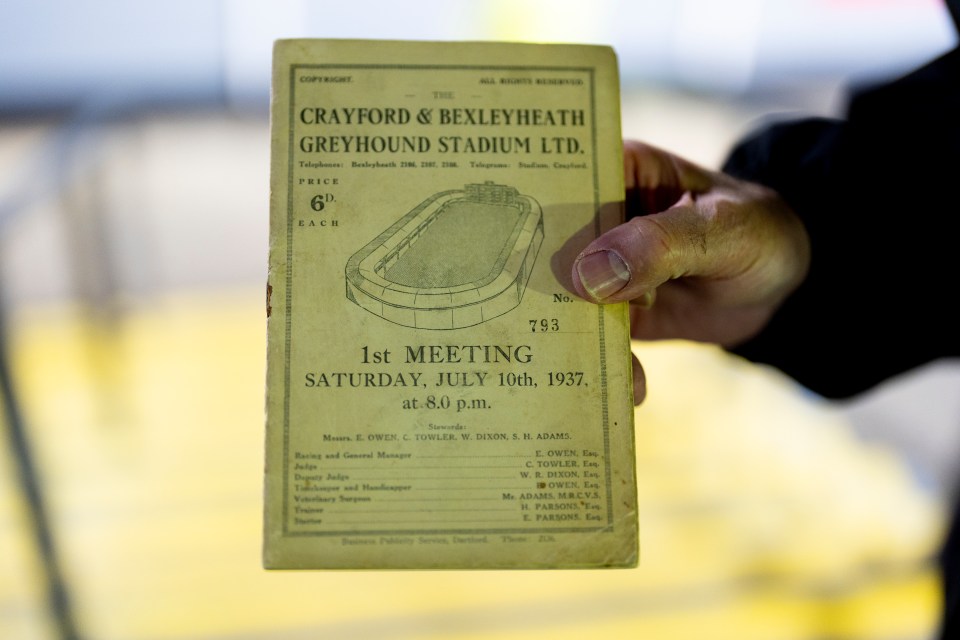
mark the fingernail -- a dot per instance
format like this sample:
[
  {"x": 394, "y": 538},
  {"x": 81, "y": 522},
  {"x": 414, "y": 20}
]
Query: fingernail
[{"x": 603, "y": 273}]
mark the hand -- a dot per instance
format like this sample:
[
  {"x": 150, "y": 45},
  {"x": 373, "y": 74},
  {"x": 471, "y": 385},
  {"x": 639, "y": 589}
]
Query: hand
[{"x": 702, "y": 256}]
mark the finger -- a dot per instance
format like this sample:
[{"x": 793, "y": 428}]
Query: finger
[
  {"x": 655, "y": 179},
  {"x": 639, "y": 382}
]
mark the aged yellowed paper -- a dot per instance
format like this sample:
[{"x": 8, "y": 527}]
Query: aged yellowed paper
[{"x": 437, "y": 397}]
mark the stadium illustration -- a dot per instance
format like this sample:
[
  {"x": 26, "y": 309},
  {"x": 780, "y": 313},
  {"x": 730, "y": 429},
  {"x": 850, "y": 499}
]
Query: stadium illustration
[{"x": 459, "y": 258}]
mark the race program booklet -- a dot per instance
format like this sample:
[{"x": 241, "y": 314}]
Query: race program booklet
[{"x": 437, "y": 396}]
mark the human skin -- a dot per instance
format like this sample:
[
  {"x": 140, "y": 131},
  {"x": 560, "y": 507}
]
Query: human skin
[{"x": 701, "y": 256}]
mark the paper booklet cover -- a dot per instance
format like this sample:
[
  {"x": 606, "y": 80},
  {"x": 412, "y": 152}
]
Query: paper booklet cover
[{"x": 437, "y": 396}]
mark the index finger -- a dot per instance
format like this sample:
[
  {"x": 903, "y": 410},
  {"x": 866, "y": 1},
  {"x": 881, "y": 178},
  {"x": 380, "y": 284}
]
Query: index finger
[{"x": 656, "y": 179}]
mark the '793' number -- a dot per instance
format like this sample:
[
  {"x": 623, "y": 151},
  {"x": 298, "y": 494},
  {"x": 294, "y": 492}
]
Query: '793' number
[{"x": 544, "y": 325}]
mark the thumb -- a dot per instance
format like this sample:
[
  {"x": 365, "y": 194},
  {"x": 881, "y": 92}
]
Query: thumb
[{"x": 631, "y": 260}]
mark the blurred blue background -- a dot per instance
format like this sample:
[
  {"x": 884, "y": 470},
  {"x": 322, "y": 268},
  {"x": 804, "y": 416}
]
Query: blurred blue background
[{"x": 56, "y": 54}]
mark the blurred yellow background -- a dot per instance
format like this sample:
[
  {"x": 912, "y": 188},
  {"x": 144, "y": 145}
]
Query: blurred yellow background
[
  {"x": 133, "y": 221},
  {"x": 761, "y": 515}
]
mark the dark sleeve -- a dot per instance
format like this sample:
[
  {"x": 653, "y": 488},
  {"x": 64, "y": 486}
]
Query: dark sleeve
[
  {"x": 789, "y": 157},
  {"x": 877, "y": 193},
  {"x": 820, "y": 334}
]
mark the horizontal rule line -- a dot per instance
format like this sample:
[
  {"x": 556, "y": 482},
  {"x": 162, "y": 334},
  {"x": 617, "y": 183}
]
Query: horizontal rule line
[
  {"x": 394, "y": 476},
  {"x": 469, "y": 488},
  {"x": 420, "y": 522},
  {"x": 400, "y": 479},
  {"x": 440, "y": 499},
  {"x": 379, "y": 511},
  {"x": 555, "y": 333},
  {"x": 480, "y": 456},
  {"x": 482, "y": 468},
  {"x": 381, "y": 468}
]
